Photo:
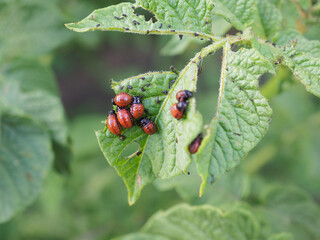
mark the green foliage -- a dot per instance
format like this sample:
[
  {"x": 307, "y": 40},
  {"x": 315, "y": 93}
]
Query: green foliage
[
  {"x": 267, "y": 47},
  {"x": 204, "y": 222},
  {"x": 243, "y": 114},
  {"x": 242, "y": 117},
  {"x": 26, "y": 156},
  {"x": 33, "y": 126}
]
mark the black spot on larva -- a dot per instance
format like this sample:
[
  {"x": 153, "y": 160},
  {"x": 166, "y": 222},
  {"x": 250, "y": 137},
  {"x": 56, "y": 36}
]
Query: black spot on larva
[
  {"x": 169, "y": 26},
  {"x": 121, "y": 87},
  {"x": 240, "y": 88},
  {"x": 147, "y": 31},
  {"x": 121, "y": 18},
  {"x": 165, "y": 92},
  {"x": 137, "y": 14},
  {"x": 122, "y": 137},
  {"x": 237, "y": 134},
  {"x": 199, "y": 57},
  {"x": 116, "y": 17},
  {"x": 201, "y": 39},
  {"x": 98, "y": 25},
  {"x": 124, "y": 15},
  {"x": 172, "y": 30},
  {"x": 251, "y": 99},
  {"x": 188, "y": 173},
  {"x": 196, "y": 34},
  {"x": 138, "y": 153},
  {"x": 213, "y": 5},
  {"x": 211, "y": 40},
  {"x": 207, "y": 22},
  {"x": 147, "y": 85},
  {"x": 176, "y": 140},
  {"x": 158, "y": 100},
  {"x": 142, "y": 78},
  {"x": 127, "y": 29},
  {"x": 180, "y": 36},
  {"x": 160, "y": 26},
  {"x": 142, "y": 89},
  {"x": 133, "y": 7},
  {"x": 273, "y": 44},
  {"x": 129, "y": 87},
  {"x": 232, "y": 80}
]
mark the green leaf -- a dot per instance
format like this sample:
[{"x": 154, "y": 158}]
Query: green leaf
[
  {"x": 190, "y": 15},
  {"x": 32, "y": 75},
  {"x": 268, "y": 20},
  {"x": 240, "y": 13},
  {"x": 242, "y": 117},
  {"x": 301, "y": 44},
  {"x": 201, "y": 222},
  {"x": 289, "y": 209},
  {"x": 303, "y": 58},
  {"x": 185, "y": 18},
  {"x": 30, "y": 28},
  {"x": 41, "y": 100},
  {"x": 25, "y": 157}
]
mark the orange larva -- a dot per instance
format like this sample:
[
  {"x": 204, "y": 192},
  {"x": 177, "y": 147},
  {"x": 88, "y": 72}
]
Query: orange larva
[
  {"x": 124, "y": 118},
  {"x": 136, "y": 108},
  {"x": 123, "y": 99},
  {"x": 113, "y": 123},
  {"x": 148, "y": 126}
]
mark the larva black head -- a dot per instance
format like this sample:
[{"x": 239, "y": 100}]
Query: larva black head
[
  {"x": 188, "y": 93},
  {"x": 137, "y": 100},
  {"x": 182, "y": 105},
  {"x": 112, "y": 112},
  {"x": 143, "y": 122}
]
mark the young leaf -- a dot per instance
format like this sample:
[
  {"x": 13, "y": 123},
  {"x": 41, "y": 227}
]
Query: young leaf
[
  {"x": 240, "y": 13},
  {"x": 25, "y": 156},
  {"x": 186, "y": 18},
  {"x": 242, "y": 117},
  {"x": 201, "y": 223}
]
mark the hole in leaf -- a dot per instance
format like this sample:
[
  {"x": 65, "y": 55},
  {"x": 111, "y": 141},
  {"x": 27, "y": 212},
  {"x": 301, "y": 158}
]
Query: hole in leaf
[
  {"x": 147, "y": 15},
  {"x": 208, "y": 86},
  {"x": 131, "y": 149}
]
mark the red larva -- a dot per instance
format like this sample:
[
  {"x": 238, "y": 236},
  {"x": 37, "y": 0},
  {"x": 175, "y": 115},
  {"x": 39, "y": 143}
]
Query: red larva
[
  {"x": 175, "y": 112},
  {"x": 194, "y": 146},
  {"x": 183, "y": 95},
  {"x": 113, "y": 123},
  {"x": 136, "y": 108},
  {"x": 148, "y": 126},
  {"x": 123, "y": 99},
  {"x": 124, "y": 118},
  {"x": 178, "y": 109}
]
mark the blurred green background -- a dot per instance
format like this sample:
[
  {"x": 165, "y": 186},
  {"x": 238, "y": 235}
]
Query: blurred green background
[{"x": 91, "y": 202}]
